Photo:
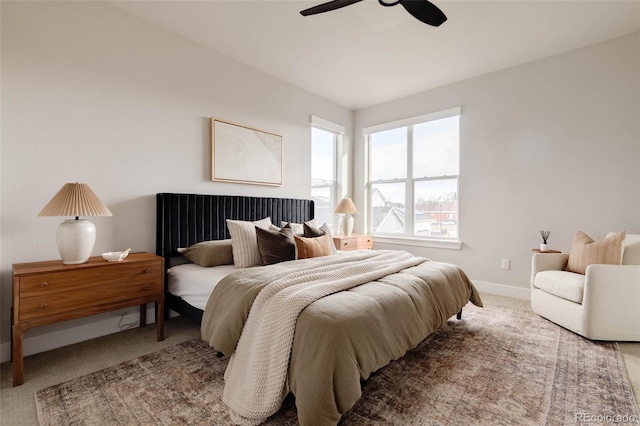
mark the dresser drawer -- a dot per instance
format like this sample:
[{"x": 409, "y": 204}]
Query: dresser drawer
[
  {"x": 365, "y": 242},
  {"x": 346, "y": 243},
  {"x": 65, "y": 301},
  {"x": 89, "y": 278},
  {"x": 353, "y": 242}
]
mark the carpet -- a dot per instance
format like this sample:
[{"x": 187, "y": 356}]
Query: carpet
[{"x": 497, "y": 366}]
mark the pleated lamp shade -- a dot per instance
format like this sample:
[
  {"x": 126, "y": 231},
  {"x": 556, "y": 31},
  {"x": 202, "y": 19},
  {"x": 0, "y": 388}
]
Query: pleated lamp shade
[
  {"x": 75, "y": 237},
  {"x": 75, "y": 199},
  {"x": 348, "y": 209},
  {"x": 346, "y": 206}
]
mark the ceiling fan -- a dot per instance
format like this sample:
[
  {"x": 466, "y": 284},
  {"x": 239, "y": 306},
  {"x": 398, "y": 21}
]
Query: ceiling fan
[{"x": 422, "y": 10}]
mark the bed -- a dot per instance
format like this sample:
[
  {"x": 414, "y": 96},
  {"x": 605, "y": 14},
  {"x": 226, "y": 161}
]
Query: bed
[{"x": 360, "y": 310}]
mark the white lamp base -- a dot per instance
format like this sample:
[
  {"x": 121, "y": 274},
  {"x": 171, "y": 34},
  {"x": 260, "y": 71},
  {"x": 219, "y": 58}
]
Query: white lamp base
[
  {"x": 76, "y": 239},
  {"x": 348, "y": 224}
]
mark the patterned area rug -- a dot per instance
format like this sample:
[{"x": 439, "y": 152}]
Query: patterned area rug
[{"x": 495, "y": 366}]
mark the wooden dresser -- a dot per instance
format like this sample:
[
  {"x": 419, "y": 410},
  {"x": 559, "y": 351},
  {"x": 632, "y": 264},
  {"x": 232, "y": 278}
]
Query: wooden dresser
[
  {"x": 353, "y": 242},
  {"x": 49, "y": 292}
]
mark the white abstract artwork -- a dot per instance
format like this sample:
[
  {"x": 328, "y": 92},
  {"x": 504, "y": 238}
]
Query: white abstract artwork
[{"x": 245, "y": 155}]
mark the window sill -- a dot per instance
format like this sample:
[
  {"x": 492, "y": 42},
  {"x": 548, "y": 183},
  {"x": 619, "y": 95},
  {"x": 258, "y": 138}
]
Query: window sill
[{"x": 418, "y": 242}]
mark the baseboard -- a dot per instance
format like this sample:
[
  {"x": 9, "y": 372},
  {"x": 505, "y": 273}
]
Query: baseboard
[
  {"x": 69, "y": 336},
  {"x": 503, "y": 290}
]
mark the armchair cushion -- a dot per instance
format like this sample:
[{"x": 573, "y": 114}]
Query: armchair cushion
[
  {"x": 585, "y": 251},
  {"x": 567, "y": 285}
]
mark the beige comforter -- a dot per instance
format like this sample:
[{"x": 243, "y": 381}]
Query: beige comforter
[{"x": 343, "y": 337}]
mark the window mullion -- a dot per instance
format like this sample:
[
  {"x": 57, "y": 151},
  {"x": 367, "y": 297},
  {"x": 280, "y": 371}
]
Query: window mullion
[
  {"x": 424, "y": 179},
  {"x": 388, "y": 181},
  {"x": 408, "y": 202}
]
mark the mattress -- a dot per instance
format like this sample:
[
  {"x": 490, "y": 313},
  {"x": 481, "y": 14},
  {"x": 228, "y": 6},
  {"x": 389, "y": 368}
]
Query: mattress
[{"x": 194, "y": 283}]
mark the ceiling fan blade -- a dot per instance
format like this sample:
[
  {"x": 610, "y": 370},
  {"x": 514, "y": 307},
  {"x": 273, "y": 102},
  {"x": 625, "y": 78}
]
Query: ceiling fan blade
[
  {"x": 424, "y": 11},
  {"x": 326, "y": 7}
]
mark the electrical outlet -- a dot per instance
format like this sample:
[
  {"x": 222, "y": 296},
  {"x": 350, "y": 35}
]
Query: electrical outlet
[{"x": 506, "y": 264}]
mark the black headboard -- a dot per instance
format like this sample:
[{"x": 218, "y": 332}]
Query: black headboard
[{"x": 186, "y": 219}]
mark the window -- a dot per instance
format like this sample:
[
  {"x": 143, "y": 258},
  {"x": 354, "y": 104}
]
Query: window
[
  {"x": 413, "y": 175},
  {"x": 325, "y": 140}
]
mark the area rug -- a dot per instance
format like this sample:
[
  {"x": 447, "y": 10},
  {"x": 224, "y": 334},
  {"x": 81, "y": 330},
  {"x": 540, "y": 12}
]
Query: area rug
[{"x": 496, "y": 366}]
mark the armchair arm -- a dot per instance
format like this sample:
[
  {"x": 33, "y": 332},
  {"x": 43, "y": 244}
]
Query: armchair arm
[
  {"x": 612, "y": 284},
  {"x": 548, "y": 261},
  {"x": 612, "y": 301}
]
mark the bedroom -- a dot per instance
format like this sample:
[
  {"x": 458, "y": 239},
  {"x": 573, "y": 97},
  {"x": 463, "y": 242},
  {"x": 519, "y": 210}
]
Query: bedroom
[{"x": 94, "y": 94}]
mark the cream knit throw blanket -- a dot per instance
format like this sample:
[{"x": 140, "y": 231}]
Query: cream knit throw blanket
[{"x": 256, "y": 377}]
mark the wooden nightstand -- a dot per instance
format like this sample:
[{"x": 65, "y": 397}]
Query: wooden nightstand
[
  {"x": 50, "y": 292},
  {"x": 353, "y": 242}
]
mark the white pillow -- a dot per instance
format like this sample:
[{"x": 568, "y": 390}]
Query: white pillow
[
  {"x": 327, "y": 231},
  {"x": 244, "y": 241}
]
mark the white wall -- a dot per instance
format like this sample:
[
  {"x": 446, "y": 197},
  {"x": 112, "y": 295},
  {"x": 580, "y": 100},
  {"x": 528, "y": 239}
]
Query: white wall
[
  {"x": 553, "y": 144},
  {"x": 92, "y": 94},
  {"x": 95, "y": 95}
]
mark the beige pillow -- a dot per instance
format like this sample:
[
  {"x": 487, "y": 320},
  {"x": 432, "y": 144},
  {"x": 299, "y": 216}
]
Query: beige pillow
[
  {"x": 312, "y": 231},
  {"x": 585, "y": 251},
  {"x": 276, "y": 246},
  {"x": 244, "y": 241},
  {"x": 313, "y": 247},
  {"x": 209, "y": 253}
]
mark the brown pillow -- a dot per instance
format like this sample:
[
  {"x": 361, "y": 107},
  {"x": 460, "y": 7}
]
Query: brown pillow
[
  {"x": 313, "y": 247},
  {"x": 209, "y": 253},
  {"x": 275, "y": 247},
  {"x": 311, "y": 231},
  {"x": 585, "y": 251}
]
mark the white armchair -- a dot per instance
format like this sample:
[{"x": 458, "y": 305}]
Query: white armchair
[{"x": 603, "y": 304}]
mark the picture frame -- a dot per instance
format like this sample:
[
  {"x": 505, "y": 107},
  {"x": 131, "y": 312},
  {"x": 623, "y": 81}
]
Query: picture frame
[{"x": 243, "y": 154}]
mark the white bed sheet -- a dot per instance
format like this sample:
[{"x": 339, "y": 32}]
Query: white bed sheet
[{"x": 194, "y": 283}]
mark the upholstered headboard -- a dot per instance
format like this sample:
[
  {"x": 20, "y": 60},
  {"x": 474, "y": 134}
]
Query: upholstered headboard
[{"x": 186, "y": 219}]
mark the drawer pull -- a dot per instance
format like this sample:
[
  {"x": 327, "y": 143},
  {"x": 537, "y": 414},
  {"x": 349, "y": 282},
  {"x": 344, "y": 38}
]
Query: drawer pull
[
  {"x": 146, "y": 270},
  {"x": 146, "y": 287},
  {"x": 44, "y": 284},
  {"x": 43, "y": 306}
]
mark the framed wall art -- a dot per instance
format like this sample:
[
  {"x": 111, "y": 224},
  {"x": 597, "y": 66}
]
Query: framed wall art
[{"x": 245, "y": 155}]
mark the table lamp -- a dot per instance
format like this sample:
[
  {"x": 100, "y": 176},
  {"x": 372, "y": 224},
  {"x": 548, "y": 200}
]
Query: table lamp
[
  {"x": 75, "y": 237},
  {"x": 348, "y": 209}
]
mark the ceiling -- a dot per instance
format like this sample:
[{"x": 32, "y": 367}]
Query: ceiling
[{"x": 366, "y": 54}]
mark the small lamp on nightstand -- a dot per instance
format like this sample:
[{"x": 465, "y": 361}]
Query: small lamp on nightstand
[
  {"x": 75, "y": 237},
  {"x": 348, "y": 209}
]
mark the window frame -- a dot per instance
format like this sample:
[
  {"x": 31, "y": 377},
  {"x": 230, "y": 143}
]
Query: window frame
[
  {"x": 408, "y": 237},
  {"x": 337, "y": 132}
]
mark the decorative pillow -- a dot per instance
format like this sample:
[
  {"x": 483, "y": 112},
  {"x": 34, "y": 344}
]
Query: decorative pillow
[
  {"x": 244, "y": 241},
  {"x": 311, "y": 231},
  {"x": 585, "y": 251},
  {"x": 327, "y": 231},
  {"x": 209, "y": 253},
  {"x": 275, "y": 247},
  {"x": 313, "y": 247},
  {"x": 298, "y": 227}
]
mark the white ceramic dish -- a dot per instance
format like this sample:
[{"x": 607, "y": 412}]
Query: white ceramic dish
[{"x": 115, "y": 256}]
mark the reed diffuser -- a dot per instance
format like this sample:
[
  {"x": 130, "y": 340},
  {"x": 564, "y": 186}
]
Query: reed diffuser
[{"x": 545, "y": 236}]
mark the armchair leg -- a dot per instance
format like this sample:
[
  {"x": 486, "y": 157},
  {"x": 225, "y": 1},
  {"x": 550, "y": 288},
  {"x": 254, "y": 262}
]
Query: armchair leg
[{"x": 459, "y": 315}]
